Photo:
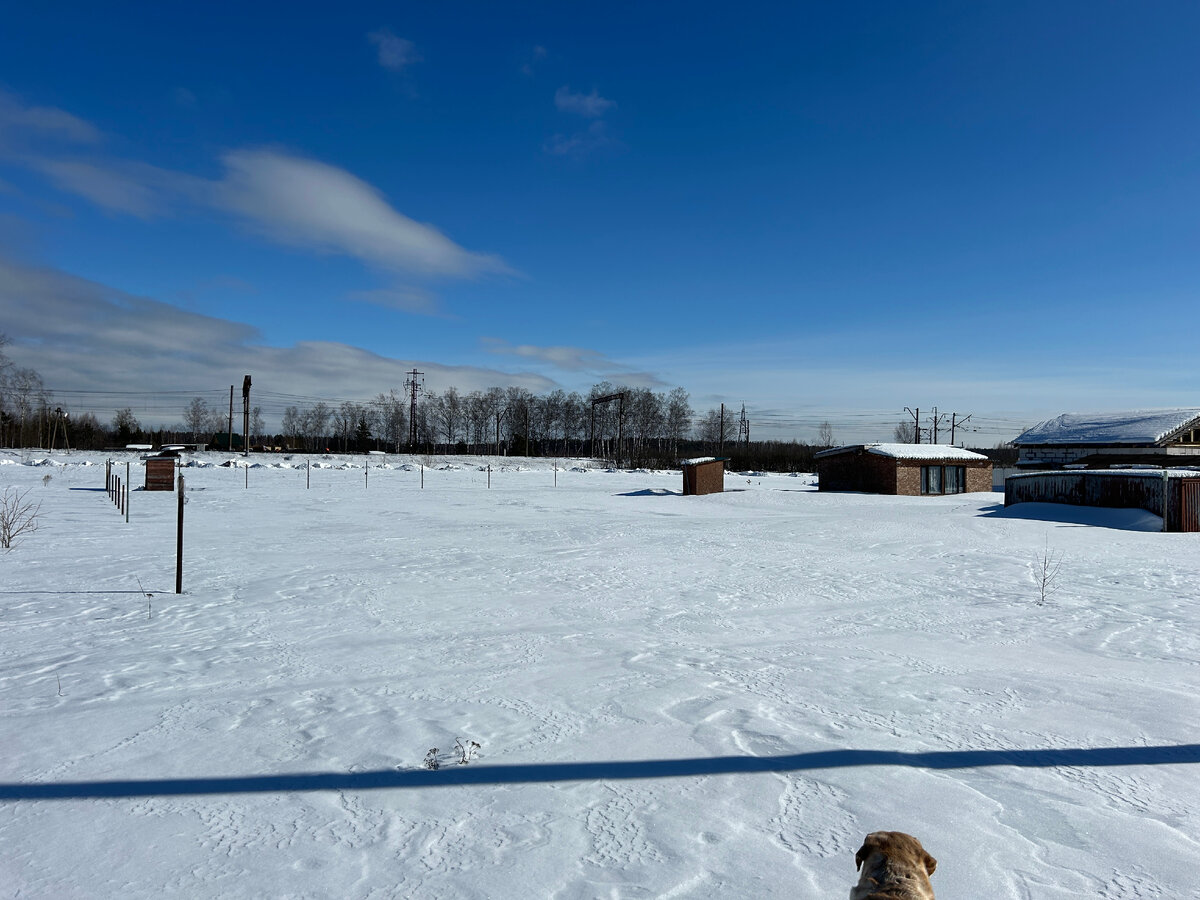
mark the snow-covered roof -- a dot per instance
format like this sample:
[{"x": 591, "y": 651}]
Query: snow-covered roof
[
  {"x": 702, "y": 459},
  {"x": 923, "y": 451},
  {"x": 910, "y": 451},
  {"x": 1149, "y": 426}
]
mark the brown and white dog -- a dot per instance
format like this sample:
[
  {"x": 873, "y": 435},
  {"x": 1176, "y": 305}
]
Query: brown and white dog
[{"x": 894, "y": 867}]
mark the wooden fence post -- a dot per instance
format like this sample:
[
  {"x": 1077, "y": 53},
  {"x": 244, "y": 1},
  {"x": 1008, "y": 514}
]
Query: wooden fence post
[{"x": 179, "y": 543}]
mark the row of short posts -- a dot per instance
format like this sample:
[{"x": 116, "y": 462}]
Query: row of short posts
[
  {"x": 118, "y": 490},
  {"x": 367, "y": 475}
]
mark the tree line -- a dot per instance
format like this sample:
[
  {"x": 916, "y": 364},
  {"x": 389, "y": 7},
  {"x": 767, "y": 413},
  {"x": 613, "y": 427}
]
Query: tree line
[{"x": 626, "y": 425}]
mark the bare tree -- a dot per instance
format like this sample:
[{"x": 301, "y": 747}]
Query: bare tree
[
  {"x": 316, "y": 424},
  {"x": 18, "y": 516},
  {"x": 715, "y": 429},
  {"x": 575, "y": 417},
  {"x": 256, "y": 423},
  {"x": 447, "y": 411},
  {"x": 1046, "y": 566},
  {"x": 679, "y": 417},
  {"x": 392, "y": 415},
  {"x": 292, "y": 425},
  {"x": 197, "y": 417},
  {"x": 346, "y": 419},
  {"x": 825, "y": 435},
  {"x": 905, "y": 432}
]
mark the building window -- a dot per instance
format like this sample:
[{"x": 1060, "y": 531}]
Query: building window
[{"x": 943, "y": 479}]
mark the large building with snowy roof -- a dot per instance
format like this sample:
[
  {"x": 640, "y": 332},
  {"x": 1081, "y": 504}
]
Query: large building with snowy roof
[
  {"x": 1161, "y": 437},
  {"x": 910, "y": 469}
]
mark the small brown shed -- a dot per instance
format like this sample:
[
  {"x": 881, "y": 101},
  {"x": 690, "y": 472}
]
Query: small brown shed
[
  {"x": 160, "y": 473},
  {"x": 704, "y": 475},
  {"x": 909, "y": 469}
]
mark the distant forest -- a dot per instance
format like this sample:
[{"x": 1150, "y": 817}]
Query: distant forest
[{"x": 632, "y": 427}]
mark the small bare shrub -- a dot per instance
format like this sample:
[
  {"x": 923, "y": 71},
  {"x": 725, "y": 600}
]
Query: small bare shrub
[
  {"x": 18, "y": 516},
  {"x": 1046, "y": 566},
  {"x": 467, "y": 751}
]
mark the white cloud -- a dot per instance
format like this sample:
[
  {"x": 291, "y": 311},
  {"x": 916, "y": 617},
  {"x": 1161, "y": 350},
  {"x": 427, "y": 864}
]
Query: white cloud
[
  {"x": 590, "y": 106},
  {"x": 581, "y": 143},
  {"x": 115, "y": 190},
  {"x": 18, "y": 122},
  {"x": 306, "y": 203},
  {"x": 576, "y": 360},
  {"x": 572, "y": 359},
  {"x": 288, "y": 199},
  {"x": 539, "y": 53},
  {"x": 84, "y": 336},
  {"x": 404, "y": 299},
  {"x": 395, "y": 53}
]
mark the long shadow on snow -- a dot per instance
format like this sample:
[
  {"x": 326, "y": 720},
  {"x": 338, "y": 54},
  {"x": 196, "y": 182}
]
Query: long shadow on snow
[
  {"x": 1068, "y": 515},
  {"x": 454, "y": 776}
]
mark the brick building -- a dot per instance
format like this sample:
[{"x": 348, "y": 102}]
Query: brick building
[
  {"x": 1163, "y": 437},
  {"x": 705, "y": 475},
  {"x": 909, "y": 469}
]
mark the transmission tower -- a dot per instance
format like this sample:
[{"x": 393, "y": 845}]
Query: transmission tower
[
  {"x": 414, "y": 383},
  {"x": 744, "y": 428}
]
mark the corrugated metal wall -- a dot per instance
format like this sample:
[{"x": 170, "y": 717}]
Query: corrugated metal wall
[{"x": 1133, "y": 491}]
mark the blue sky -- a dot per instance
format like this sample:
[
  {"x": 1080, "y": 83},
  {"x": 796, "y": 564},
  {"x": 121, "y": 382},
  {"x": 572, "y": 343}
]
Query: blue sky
[{"x": 825, "y": 211}]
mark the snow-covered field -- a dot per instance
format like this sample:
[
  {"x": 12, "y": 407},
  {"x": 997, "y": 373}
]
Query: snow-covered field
[{"x": 674, "y": 696}]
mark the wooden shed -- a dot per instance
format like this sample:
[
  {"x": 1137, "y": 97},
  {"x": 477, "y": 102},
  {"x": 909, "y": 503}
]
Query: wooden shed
[
  {"x": 160, "y": 473},
  {"x": 909, "y": 469},
  {"x": 705, "y": 475}
]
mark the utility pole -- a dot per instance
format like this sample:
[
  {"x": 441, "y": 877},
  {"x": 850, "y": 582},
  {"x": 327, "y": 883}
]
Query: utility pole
[
  {"x": 955, "y": 422},
  {"x": 246, "y": 416},
  {"x": 413, "y": 386},
  {"x": 721, "y": 435},
  {"x": 916, "y": 423},
  {"x": 230, "y": 447},
  {"x": 936, "y": 421},
  {"x": 60, "y": 417}
]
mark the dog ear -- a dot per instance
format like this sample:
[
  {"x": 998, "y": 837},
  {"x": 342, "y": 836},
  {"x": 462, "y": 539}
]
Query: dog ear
[
  {"x": 860, "y": 857},
  {"x": 930, "y": 863}
]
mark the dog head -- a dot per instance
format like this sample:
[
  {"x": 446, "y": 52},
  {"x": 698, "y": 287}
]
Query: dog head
[{"x": 900, "y": 849}]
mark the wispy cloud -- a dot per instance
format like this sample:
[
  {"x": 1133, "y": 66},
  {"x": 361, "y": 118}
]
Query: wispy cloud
[
  {"x": 569, "y": 359},
  {"x": 302, "y": 202},
  {"x": 19, "y": 123},
  {"x": 590, "y": 106},
  {"x": 283, "y": 197},
  {"x": 80, "y": 334},
  {"x": 536, "y": 56},
  {"x": 596, "y": 136},
  {"x": 395, "y": 53},
  {"x": 404, "y": 299},
  {"x": 131, "y": 190},
  {"x": 581, "y": 143}
]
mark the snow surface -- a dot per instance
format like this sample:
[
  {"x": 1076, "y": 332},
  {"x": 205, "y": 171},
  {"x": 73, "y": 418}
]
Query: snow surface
[
  {"x": 1139, "y": 427},
  {"x": 713, "y": 696}
]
